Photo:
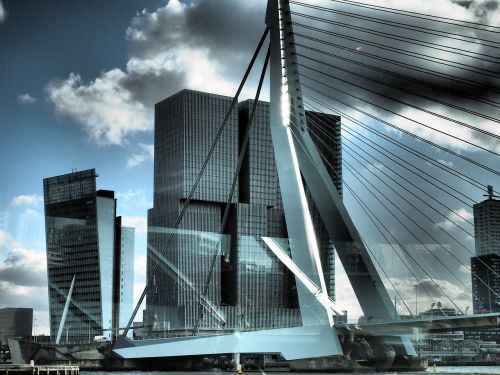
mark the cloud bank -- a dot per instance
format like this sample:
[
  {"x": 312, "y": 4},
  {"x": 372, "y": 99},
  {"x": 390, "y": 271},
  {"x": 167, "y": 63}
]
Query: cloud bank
[
  {"x": 474, "y": 78},
  {"x": 31, "y": 200},
  {"x": 174, "y": 47},
  {"x": 23, "y": 275}
]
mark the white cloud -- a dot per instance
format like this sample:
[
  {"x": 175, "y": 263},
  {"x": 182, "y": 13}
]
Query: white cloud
[
  {"x": 32, "y": 200},
  {"x": 428, "y": 291},
  {"x": 26, "y": 99},
  {"x": 447, "y": 163},
  {"x": 140, "y": 263},
  {"x": 456, "y": 137},
  {"x": 459, "y": 217},
  {"x": 171, "y": 48},
  {"x": 345, "y": 297},
  {"x": 23, "y": 279},
  {"x": 25, "y": 267},
  {"x": 133, "y": 200},
  {"x": 108, "y": 112},
  {"x": 146, "y": 154},
  {"x": 2, "y": 12},
  {"x": 140, "y": 223},
  {"x": 476, "y": 11}
]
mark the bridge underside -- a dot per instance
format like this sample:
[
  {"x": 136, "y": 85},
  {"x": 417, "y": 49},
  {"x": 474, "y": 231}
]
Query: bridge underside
[
  {"x": 291, "y": 343},
  {"x": 297, "y": 342}
]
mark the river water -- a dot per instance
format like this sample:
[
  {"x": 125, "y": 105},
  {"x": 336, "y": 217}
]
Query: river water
[{"x": 439, "y": 370}]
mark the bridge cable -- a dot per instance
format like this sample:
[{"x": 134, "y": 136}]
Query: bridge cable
[
  {"x": 293, "y": 130},
  {"x": 402, "y": 102},
  {"x": 409, "y": 191},
  {"x": 424, "y": 16},
  {"x": 325, "y": 159},
  {"x": 391, "y": 73},
  {"x": 447, "y": 150},
  {"x": 408, "y": 181},
  {"x": 198, "y": 178},
  {"x": 362, "y": 238},
  {"x": 414, "y": 93},
  {"x": 399, "y": 184},
  {"x": 351, "y": 168},
  {"x": 418, "y": 29},
  {"x": 438, "y": 47},
  {"x": 233, "y": 184},
  {"x": 431, "y": 72},
  {"x": 423, "y": 173},
  {"x": 403, "y": 146},
  {"x": 403, "y": 116},
  {"x": 415, "y": 54}
]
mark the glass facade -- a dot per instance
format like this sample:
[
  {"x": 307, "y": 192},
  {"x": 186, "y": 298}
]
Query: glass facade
[
  {"x": 249, "y": 284},
  {"x": 485, "y": 290},
  {"x": 487, "y": 227},
  {"x": 185, "y": 127},
  {"x": 81, "y": 241},
  {"x": 485, "y": 266},
  {"x": 126, "y": 276}
]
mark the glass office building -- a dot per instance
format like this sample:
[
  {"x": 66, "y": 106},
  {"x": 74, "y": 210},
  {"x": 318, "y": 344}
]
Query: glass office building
[
  {"x": 485, "y": 266},
  {"x": 248, "y": 285},
  {"x": 487, "y": 227},
  {"x": 82, "y": 242},
  {"x": 185, "y": 127}
]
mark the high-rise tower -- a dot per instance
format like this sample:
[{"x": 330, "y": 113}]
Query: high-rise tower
[
  {"x": 84, "y": 241},
  {"x": 486, "y": 264},
  {"x": 185, "y": 127},
  {"x": 250, "y": 285}
]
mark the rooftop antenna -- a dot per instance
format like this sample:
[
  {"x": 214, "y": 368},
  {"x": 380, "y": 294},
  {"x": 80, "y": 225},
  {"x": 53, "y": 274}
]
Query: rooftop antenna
[{"x": 490, "y": 194}]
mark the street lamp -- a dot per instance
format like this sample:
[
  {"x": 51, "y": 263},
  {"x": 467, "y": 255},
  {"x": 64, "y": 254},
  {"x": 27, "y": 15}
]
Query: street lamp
[
  {"x": 67, "y": 329},
  {"x": 416, "y": 301}
]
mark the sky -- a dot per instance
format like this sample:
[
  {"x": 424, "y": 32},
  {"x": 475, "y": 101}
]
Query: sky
[{"x": 78, "y": 85}]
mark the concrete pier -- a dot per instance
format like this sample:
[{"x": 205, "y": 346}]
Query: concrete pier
[{"x": 39, "y": 370}]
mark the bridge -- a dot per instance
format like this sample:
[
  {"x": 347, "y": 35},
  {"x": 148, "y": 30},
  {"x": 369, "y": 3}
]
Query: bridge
[{"x": 308, "y": 71}]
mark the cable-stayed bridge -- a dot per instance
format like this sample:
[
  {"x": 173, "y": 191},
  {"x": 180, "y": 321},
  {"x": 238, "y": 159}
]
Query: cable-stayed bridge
[{"x": 418, "y": 97}]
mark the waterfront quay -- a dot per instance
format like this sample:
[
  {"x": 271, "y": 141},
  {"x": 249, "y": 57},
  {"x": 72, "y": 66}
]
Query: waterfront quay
[
  {"x": 470, "y": 370},
  {"x": 11, "y": 369}
]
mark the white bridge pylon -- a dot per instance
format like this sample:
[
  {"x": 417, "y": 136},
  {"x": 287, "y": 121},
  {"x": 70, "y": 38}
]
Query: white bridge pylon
[{"x": 296, "y": 157}]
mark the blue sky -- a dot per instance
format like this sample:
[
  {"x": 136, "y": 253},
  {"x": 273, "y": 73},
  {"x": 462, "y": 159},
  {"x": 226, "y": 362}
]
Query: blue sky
[
  {"x": 78, "y": 83},
  {"x": 77, "y": 92}
]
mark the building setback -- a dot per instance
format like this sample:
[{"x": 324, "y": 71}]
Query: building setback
[
  {"x": 85, "y": 240},
  {"x": 15, "y": 322},
  {"x": 251, "y": 288}
]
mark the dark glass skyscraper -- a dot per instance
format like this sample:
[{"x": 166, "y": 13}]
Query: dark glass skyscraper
[
  {"x": 248, "y": 284},
  {"x": 185, "y": 126},
  {"x": 485, "y": 265},
  {"x": 85, "y": 242}
]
